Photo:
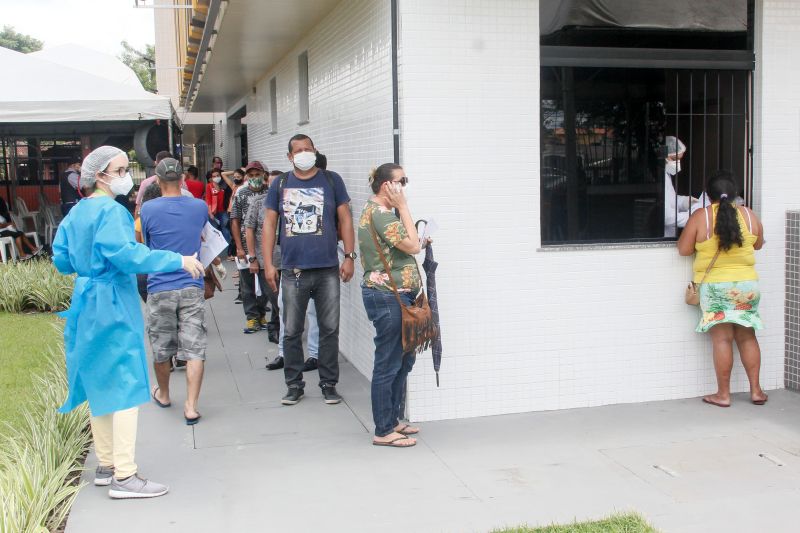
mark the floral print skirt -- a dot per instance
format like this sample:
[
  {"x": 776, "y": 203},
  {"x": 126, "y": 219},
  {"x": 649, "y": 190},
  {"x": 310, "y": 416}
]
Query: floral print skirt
[{"x": 734, "y": 302}]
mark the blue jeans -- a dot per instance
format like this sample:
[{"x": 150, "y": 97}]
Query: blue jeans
[
  {"x": 222, "y": 220},
  {"x": 321, "y": 285},
  {"x": 391, "y": 366}
]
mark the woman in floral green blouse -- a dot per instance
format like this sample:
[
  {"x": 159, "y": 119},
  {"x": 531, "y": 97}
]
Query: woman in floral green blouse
[{"x": 398, "y": 241}]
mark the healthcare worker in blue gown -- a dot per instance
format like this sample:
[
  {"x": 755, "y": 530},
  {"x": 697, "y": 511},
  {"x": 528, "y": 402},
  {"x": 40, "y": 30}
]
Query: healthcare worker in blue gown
[{"x": 104, "y": 331}]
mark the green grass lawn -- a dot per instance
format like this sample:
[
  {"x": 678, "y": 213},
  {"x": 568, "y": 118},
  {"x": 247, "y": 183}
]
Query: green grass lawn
[
  {"x": 24, "y": 341},
  {"x": 621, "y": 523}
]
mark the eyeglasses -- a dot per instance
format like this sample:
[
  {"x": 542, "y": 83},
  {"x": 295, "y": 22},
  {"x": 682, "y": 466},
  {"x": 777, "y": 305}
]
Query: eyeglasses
[
  {"x": 402, "y": 181},
  {"x": 120, "y": 172}
]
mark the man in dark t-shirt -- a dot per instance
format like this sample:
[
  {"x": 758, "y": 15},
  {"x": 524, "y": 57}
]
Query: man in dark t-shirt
[{"x": 310, "y": 210}]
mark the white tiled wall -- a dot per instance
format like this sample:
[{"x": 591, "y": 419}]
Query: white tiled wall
[
  {"x": 350, "y": 97},
  {"x": 777, "y": 145},
  {"x": 522, "y": 329},
  {"x": 529, "y": 330}
]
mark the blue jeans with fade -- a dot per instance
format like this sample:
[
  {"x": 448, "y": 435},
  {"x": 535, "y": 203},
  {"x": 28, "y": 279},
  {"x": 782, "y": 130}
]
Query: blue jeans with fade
[
  {"x": 391, "y": 367},
  {"x": 322, "y": 286}
]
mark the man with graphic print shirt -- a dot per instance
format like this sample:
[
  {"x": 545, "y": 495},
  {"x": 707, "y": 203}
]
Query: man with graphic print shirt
[
  {"x": 255, "y": 307},
  {"x": 314, "y": 209}
]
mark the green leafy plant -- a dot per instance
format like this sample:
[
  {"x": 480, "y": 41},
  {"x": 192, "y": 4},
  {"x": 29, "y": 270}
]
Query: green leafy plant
[
  {"x": 40, "y": 458},
  {"x": 33, "y": 285}
]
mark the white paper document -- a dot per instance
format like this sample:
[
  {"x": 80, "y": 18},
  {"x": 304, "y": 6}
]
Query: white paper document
[
  {"x": 257, "y": 285},
  {"x": 211, "y": 244},
  {"x": 428, "y": 230}
]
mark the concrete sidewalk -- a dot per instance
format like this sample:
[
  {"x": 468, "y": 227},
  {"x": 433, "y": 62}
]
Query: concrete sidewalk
[{"x": 253, "y": 465}]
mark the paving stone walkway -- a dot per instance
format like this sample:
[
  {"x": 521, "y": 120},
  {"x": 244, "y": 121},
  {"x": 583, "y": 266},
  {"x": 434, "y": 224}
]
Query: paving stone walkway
[{"x": 252, "y": 465}]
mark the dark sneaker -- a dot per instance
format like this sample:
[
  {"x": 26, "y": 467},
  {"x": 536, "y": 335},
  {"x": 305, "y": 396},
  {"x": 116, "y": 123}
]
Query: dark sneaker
[
  {"x": 103, "y": 475},
  {"x": 275, "y": 364},
  {"x": 310, "y": 364},
  {"x": 273, "y": 337},
  {"x": 329, "y": 394},
  {"x": 180, "y": 364},
  {"x": 293, "y": 395},
  {"x": 237, "y": 300},
  {"x": 252, "y": 326},
  {"x": 136, "y": 487}
]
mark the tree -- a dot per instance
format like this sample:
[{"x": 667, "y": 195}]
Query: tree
[
  {"x": 19, "y": 41},
  {"x": 142, "y": 63}
]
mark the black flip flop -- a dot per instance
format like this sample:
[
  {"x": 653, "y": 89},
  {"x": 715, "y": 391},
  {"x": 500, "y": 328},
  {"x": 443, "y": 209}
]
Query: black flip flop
[
  {"x": 160, "y": 404},
  {"x": 192, "y": 421}
]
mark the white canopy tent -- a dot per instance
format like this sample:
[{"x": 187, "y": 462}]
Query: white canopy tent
[
  {"x": 91, "y": 61},
  {"x": 44, "y": 91}
]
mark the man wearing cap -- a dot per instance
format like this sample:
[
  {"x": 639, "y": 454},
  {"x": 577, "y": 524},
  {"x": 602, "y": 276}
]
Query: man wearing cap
[
  {"x": 175, "y": 300},
  {"x": 160, "y": 156},
  {"x": 255, "y": 307}
]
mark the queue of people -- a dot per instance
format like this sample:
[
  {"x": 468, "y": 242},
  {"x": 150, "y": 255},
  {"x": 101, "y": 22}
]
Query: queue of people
[{"x": 286, "y": 230}]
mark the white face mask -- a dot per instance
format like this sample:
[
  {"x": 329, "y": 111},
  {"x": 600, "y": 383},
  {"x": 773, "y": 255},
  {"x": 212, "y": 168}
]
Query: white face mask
[
  {"x": 305, "y": 160},
  {"x": 120, "y": 186},
  {"x": 216, "y": 179},
  {"x": 672, "y": 167}
]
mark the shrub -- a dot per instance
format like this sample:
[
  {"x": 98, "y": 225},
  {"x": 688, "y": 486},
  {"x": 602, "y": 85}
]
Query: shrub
[
  {"x": 33, "y": 285},
  {"x": 40, "y": 458}
]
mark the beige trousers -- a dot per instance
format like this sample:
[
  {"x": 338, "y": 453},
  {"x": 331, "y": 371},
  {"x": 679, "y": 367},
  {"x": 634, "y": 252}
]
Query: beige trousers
[{"x": 115, "y": 441}]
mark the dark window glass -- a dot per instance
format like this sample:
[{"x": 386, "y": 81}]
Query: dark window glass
[{"x": 602, "y": 160}]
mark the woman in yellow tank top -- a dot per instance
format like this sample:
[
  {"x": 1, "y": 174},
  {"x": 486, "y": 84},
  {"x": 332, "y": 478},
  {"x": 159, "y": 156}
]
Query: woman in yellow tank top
[{"x": 729, "y": 294}]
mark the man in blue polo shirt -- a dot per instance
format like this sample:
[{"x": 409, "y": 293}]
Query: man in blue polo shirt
[
  {"x": 314, "y": 212},
  {"x": 175, "y": 301}
]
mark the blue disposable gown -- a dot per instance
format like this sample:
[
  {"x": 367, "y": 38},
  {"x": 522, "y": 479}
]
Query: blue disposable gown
[{"x": 104, "y": 332}]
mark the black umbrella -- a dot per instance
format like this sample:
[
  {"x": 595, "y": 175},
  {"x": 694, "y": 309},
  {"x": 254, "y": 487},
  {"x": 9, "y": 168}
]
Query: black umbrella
[{"x": 429, "y": 265}]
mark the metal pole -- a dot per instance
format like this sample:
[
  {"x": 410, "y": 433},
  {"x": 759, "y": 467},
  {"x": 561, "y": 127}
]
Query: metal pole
[{"x": 395, "y": 87}]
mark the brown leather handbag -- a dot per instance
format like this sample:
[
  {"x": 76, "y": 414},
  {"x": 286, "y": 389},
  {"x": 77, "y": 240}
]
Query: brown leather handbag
[
  {"x": 693, "y": 289},
  {"x": 210, "y": 283},
  {"x": 419, "y": 329}
]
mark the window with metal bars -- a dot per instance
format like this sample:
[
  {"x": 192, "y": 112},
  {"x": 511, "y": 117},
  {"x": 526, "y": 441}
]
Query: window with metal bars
[
  {"x": 611, "y": 97},
  {"x": 603, "y": 134}
]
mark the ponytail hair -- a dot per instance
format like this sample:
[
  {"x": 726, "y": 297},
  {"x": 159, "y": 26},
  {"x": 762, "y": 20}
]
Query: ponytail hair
[
  {"x": 378, "y": 176},
  {"x": 722, "y": 188}
]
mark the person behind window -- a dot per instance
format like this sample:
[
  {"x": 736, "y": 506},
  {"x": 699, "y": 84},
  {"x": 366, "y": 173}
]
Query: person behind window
[
  {"x": 729, "y": 295},
  {"x": 677, "y": 208}
]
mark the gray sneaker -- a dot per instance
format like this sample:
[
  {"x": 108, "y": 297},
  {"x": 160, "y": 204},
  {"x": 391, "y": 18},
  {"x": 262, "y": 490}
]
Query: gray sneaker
[
  {"x": 136, "y": 487},
  {"x": 103, "y": 475}
]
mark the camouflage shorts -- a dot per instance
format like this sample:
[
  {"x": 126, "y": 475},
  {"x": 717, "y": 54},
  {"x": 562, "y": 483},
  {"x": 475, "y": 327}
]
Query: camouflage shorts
[{"x": 176, "y": 321}]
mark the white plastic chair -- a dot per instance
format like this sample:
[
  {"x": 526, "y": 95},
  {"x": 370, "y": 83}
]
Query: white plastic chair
[
  {"x": 7, "y": 242},
  {"x": 24, "y": 212},
  {"x": 32, "y": 234},
  {"x": 50, "y": 224}
]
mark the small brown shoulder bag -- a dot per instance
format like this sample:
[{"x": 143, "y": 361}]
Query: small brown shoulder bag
[
  {"x": 693, "y": 289},
  {"x": 419, "y": 328}
]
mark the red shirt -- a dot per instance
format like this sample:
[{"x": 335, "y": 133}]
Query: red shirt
[
  {"x": 215, "y": 198},
  {"x": 195, "y": 187}
]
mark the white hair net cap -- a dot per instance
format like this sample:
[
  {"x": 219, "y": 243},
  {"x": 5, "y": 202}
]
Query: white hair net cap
[
  {"x": 95, "y": 162},
  {"x": 673, "y": 145}
]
